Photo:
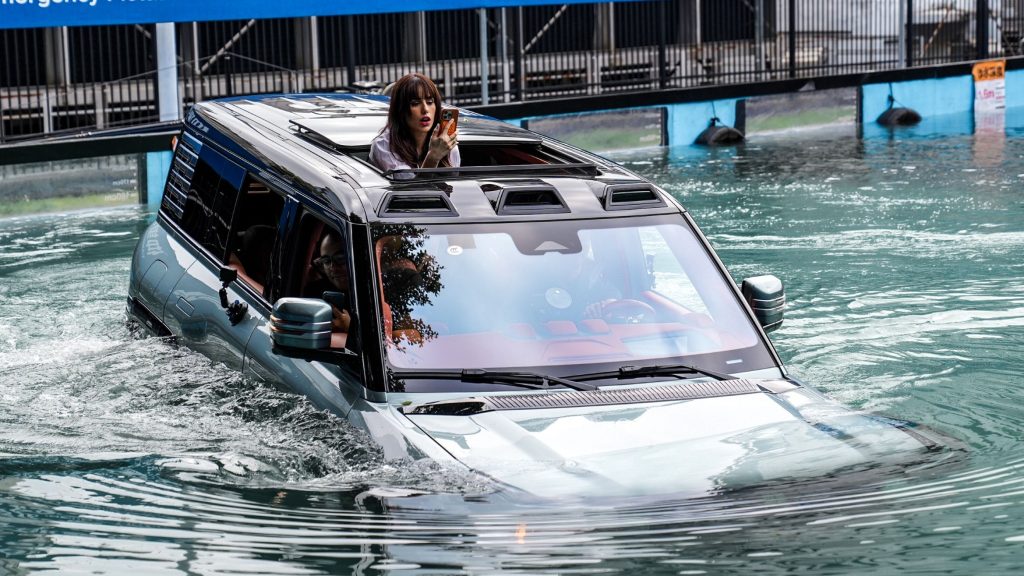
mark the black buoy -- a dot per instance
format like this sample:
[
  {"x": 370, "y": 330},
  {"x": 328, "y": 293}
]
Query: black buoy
[
  {"x": 899, "y": 116},
  {"x": 719, "y": 135}
]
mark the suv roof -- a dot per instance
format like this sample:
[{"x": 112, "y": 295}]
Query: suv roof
[{"x": 320, "y": 143}]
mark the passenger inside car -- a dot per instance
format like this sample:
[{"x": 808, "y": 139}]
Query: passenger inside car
[
  {"x": 252, "y": 258},
  {"x": 254, "y": 233},
  {"x": 330, "y": 263}
]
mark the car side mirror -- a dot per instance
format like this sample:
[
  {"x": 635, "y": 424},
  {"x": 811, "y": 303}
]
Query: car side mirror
[
  {"x": 767, "y": 299},
  {"x": 301, "y": 324},
  {"x": 301, "y": 328}
]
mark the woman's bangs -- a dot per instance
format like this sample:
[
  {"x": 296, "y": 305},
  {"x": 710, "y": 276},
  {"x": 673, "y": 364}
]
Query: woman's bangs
[{"x": 421, "y": 89}]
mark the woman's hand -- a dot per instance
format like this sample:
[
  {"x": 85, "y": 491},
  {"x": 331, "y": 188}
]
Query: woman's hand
[
  {"x": 341, "y": 320},
  {"x": 440, "y": 146}
]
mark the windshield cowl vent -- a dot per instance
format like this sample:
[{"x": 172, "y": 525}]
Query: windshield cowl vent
[
  {"x": 526, "y": 199},
  {"x": 631, "y": 197},
  {"x": 399, "y": 204},
  {"x": 576, "y": 399}
]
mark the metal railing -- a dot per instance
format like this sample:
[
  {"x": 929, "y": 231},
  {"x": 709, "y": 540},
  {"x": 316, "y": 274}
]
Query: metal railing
[{"x": 73, "y": 79}]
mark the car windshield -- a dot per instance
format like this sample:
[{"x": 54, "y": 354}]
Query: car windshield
[{"x": 545, "y": 294}]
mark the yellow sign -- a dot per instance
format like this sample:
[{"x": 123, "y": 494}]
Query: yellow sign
[
  {"x": 989, "y": 88},
  {"x": 991, "y": 70}
]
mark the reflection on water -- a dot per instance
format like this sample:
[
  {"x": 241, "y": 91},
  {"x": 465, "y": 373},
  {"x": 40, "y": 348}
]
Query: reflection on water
[{"x": 901, "y": 261}]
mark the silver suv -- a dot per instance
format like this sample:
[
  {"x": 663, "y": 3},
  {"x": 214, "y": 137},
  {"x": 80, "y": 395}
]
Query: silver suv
[{"x": 539, "y": 315}]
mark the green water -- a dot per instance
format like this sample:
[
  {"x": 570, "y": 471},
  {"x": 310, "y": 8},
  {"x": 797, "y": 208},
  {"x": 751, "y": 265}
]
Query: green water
[{"x": 902, "y": 262}]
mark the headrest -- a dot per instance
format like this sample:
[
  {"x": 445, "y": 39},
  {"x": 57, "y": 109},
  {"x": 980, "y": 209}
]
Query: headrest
[{"x": 257, "y": 242}]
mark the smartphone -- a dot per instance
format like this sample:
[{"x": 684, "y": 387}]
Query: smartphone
[
  {"x": 450, "y": 120},
  {"x": 336, "y": 299}
]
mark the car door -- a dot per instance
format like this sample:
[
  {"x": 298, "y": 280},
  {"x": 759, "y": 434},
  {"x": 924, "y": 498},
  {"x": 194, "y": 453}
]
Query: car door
[
  {"x": 328, "y": 385},
  {"x": 195, "y": 308}
]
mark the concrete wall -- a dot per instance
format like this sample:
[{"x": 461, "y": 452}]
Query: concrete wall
[
  {"x": 933, "y": 97},
  {"x": 1015, "y": 87},
  {"x": 683, "y": 122},
  {"x": 158, "y": 164},
  {"x": 686, "y": 121}
]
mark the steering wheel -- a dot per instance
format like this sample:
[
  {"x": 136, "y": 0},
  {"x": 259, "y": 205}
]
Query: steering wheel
[{"x": 627, "y": 311}]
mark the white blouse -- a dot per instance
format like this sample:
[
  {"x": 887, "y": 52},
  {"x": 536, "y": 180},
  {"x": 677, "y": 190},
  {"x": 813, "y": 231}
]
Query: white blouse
[{"x": 383, "y": 158}]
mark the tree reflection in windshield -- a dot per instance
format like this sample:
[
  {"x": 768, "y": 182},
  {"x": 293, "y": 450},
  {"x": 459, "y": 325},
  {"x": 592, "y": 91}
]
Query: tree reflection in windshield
[{"x": 409, "y": 277}]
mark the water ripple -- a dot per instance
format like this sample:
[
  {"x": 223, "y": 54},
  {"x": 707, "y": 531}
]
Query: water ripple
[{"x": 901, "y": 261}]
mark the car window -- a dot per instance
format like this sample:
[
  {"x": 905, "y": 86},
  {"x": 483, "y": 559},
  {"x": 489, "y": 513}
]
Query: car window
[
  {"x": 557, "y": 294},
  {"x": 666, "y": 273},
  {"x": 318, "y": 264},
  {"x": 201, "y": 194},
  {"x": 179, "y": 179},
  {"x": 254, "y": 233}
]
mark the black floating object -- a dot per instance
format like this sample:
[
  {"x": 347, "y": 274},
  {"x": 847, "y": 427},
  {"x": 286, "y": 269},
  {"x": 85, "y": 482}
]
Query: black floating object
[
  {"x": 899, "y": 116},
  {"x": 719, "y": 135}
]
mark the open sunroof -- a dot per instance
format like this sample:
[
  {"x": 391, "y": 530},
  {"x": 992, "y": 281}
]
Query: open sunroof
[
  {"x": 473, "y": 172},
  {"x": 358, "y": 130},
  {"x": 350, "y": 131}
]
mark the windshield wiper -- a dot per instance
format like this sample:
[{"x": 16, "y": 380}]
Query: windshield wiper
[
  {"x": 531, "y": 380},
  {"x": 656, "y": 370}
]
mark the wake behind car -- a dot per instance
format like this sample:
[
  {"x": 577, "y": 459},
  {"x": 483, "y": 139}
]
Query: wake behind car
[{"x": 539, "y": 315}]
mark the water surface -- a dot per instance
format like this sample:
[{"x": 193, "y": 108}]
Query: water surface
[{"x": 901, "y": 258}]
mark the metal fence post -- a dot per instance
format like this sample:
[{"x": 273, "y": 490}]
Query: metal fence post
[
  {"x": 47, "y": 112},
  {"x": 520, "y": 73},
  {"x": 792, "y": 38},
  {"x": 506, "y": 84},
  {"x": 910, "y": 33},
  {"x": 421, "y": 38},
  {"x": 99, "y": 103},
  {"x": 759, "y": 38},
  {"x": 229, "y": 76},
  {"x": 981, "y": 34},
  {"x": 314, "y": 49},
  {"x": 484, "y": 69},
  {"x": 350, "y": 50},
  {"x": 142, "y": 178},
  {"x": 662, "y": 38},
  {"x": 167, "y": 72},
  {"x": 901, "y": 33}
]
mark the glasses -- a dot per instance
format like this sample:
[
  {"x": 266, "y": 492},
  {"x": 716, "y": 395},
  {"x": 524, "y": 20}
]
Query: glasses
[{"x": 334, "y": 260}]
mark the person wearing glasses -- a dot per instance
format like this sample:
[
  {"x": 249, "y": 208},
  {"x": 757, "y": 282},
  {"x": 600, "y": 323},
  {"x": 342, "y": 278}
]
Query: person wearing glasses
[{"x": 333, "y": 283}]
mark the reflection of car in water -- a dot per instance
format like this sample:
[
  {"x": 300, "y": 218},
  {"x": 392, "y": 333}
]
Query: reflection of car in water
[{"x": 539, "y": 315}]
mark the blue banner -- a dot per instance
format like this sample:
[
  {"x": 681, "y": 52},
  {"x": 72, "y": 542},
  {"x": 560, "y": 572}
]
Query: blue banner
[{"x": 50, "y": 13}]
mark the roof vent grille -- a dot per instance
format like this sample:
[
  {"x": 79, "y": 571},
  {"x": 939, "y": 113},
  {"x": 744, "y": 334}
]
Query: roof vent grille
[
  {"x": 631, "y": 196},
  {"x": 526, "y": 199},
  {"x": 418, "y": 203}
]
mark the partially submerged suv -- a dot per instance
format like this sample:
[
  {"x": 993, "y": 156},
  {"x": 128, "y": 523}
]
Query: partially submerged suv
[{"x": 540, "y": 315}]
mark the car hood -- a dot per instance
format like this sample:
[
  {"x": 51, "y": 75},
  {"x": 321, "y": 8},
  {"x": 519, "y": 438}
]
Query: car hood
[{"x": 689, "y": 446}]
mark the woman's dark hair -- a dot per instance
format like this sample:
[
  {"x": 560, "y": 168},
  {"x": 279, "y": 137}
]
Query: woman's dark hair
[{"x": 408, "y": 88}]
